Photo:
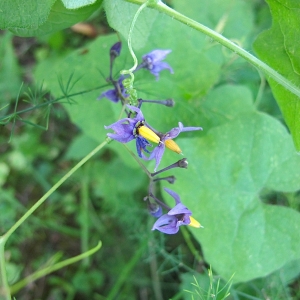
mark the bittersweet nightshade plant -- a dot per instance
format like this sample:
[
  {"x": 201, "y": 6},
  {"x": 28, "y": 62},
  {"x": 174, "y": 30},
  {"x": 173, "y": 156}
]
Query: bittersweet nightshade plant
[{"x": 177, "y": 216}]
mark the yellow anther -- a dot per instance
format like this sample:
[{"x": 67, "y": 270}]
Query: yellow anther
[
  {"x": 172, "y": 146},
  {"x": 148, "y": 134},
  {"x": 194, "y": 223}
]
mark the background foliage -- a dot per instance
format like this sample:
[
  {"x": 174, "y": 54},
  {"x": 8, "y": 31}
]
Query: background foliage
[{"x": 243, "y": 178}]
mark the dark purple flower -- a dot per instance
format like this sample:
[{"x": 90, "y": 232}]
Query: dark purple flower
[
  {"x": 114, "y": 94},
  {"x": 166, "y": 140},
  {"x": 128, "y": 129},
  {"x": 153, "y": 62},
  {"x": 177, "y": 216}
]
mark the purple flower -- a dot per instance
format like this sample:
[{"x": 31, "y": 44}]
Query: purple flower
[
  {"x": 114, "y": 94},
  {"x": 153, "y": 62},
  {"x": 128, "y": 129},
  {"x": 177, "y": 216},
  {"x": 166, "y": 140}
]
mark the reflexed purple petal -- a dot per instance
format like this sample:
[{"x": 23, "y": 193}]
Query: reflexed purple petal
[
  {"x": 174, "y": 132},
  {"x": 157, "y": 154},
  {"x": 120, "y": 138},
  {"x": 156, "y": 55},
  {"x": 110, "y": 95},
  {"x": 141, "y": 144},
  {"x": 120, "y": 127},
  {"x": 179, "y": 209},
  {"x": 123, "y": 132},
  {"x": 166, "y": 224},
  {"x": 174, "y": 195},
  {"x": 158, "y": 67},
  {"x": 182, "y": 128},
  {"x": 139, "y": 116}
]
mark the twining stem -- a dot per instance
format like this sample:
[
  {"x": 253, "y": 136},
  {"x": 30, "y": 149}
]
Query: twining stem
[
  {"x": 135, "y": 61},
  {"x": 267, "y": 70}
]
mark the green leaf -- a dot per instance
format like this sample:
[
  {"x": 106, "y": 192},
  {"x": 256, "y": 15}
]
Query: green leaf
[
  {"x": 74, "y": 4},
  {"x": 59, "y": 17},
  {"x": 120, "y": 14},
  {"x": 10, "y": 75},
  {"x": 279, "y": 47},
  {"x": 24, "y": 13},
  {"x": 228, "y": 169}
]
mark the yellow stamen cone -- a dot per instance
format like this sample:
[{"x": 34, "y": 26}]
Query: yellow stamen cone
[
  {"x": 148, "y": 134},
  {"x": 194, "y": 223},
  {"x": 172, "y": 146}
]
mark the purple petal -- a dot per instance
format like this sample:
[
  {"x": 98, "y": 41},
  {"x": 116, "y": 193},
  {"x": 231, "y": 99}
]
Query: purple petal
[
  {"x": 179, "y": 209},
  {"x": 166, "y": 224},
  {"x": 174, "y": 195},
  {"x": 182, "y": 128},
  {"x": 158, "y": 67},
  {"x": 123, "y": 132},
  {"x": 139, "y": 116},
  {"x": 110, "y": 95},
  {"x": 157, "y": 154},
  {"x": 156, "y": 55},
  {"x": 121, "y": 138},
  {"x": 141, "y": 144},
  {"x": 174, "y": 132},
  {"x": 120, "y": 127}
]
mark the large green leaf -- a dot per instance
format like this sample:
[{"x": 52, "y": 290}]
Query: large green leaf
[
  {"x": 58, "y": 17},
  {"x": 279, "y": 47},
  {"x": 228, "y": 169}
]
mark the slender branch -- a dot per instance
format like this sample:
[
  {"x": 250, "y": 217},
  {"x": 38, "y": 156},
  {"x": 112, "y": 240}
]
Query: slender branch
[
  {"x": 53, "y": 101},
  {"x": 4, "y": 287},
  {"x": 54, "y": 188},
  {"x": 267, "y": 70},
  {"x": 43, "y": 272}
]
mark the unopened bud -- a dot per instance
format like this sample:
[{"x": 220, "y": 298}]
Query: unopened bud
[
  {"x": 183, "y": 163},
  {"x": 115, "y": 50}
]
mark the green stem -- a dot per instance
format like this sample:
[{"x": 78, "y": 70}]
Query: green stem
[
  {"x": 84, "y": 220},
  {"x": 270, "y": 72},
  {"x": 4, "y": 287},
  {"x": 47, "y": 103},
  {"x": 53, "y": 189},
  {"x": 40, "y": 273},
  {"x": 130, "y": 36}
]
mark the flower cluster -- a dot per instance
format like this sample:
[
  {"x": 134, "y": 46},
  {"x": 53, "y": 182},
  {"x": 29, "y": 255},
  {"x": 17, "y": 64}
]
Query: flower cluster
[{"x": 135, "y": 127}]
